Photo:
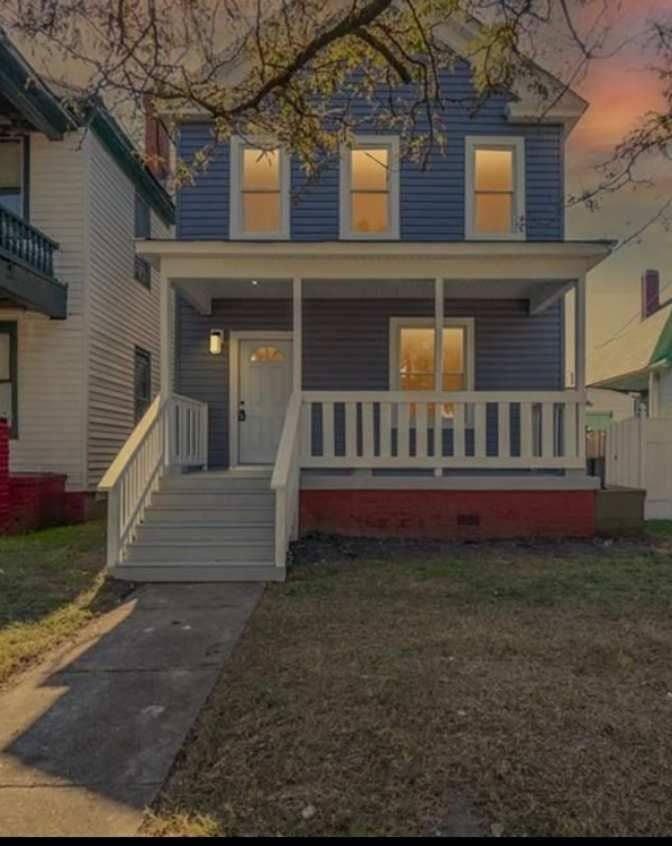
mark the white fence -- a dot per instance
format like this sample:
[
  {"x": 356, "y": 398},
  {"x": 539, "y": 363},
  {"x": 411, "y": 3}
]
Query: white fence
[{"x": 639, "y": 455}]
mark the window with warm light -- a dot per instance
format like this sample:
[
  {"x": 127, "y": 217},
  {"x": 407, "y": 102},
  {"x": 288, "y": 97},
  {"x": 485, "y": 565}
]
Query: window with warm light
[
  {"x": 416, "y": 359},
  {"x": 495, "y": 184},
  {"x": 370, "y": 188},
  {"x": 412, "y": 357},
  {"x": 259, "y": 191}
]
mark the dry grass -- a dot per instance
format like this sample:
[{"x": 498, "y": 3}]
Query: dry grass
[{"x": 391, "y": 692}]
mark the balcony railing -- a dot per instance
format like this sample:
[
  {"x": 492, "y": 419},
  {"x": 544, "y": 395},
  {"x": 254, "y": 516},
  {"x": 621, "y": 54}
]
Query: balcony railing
[{"x": 23, "y": 242}]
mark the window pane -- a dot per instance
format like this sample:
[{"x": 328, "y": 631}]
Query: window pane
[
  {"x": 261, "y": 212},
  {"x": 369, "y": 212},
  {"x": 453, "y": 382},
  {"x": 369, "y": 169},
  {"x": 453, "y": 350},
  {"x": 10, "y": 164},
  {"x": 494, "y": 170},
  {"x": 5, "y": 372},
  {"x": 267, "y": 354},
  {"x": 261, "y": 170},
  {"x": 494, "y": 213},
  {"x": 142, "y": 218},
  {"x": 416, "y": 351},
  {"x": 6, "y": 409},
  {"x": 416, "y": 382}
]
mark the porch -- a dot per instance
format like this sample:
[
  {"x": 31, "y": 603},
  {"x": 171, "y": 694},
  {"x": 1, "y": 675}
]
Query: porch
[{"x": 501, "y": 420}]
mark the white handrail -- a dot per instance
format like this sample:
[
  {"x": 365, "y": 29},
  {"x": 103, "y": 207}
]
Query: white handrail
[
  {"x": 172, "y": 432},
  {"x": 285, "y": 481}
]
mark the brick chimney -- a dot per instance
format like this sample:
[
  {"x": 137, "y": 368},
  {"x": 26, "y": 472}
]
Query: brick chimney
[
  {"x": 157, "y": 142},
  {"x": 650, "y": 293}
]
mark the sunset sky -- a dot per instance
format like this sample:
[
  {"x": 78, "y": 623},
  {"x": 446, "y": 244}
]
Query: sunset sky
[{"x": 620, "y": 90}]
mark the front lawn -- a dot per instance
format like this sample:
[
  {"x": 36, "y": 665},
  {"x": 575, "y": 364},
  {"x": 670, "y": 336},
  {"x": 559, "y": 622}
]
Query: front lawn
[
  {"x": 502, "y": 688},
  {"x": 51, "y": 584}
]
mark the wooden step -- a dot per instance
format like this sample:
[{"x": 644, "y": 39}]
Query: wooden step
[
  {"x": 206, "y": 532},
  {"x": 213, "y": 499},
  {"x": 234, "y": 515},
  {"x": 199, "y": 551},
  {"x": 157, "y": 571}
]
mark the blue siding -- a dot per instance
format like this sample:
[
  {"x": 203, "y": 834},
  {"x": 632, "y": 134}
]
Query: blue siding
[
  {"x": 346, "y": 347},
  {"x": 432, "y": 200}
]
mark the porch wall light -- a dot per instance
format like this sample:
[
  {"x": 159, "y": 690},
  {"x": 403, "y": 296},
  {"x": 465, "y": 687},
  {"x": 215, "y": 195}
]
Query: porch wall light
[{"x": 216, "y": 341}]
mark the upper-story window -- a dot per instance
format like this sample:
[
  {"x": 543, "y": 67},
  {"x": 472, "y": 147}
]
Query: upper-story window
[
  {"x": 259, "y": 191},
  {"x": 142, "y": 270},
  {"x": 370, "y": 188},
  {"x": 495, "y": 188},
  {"x": 11, "y": 176}
]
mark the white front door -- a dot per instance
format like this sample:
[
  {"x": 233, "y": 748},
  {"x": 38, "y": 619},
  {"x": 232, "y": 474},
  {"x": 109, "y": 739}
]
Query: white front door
[{"x": 264, "y": 391}]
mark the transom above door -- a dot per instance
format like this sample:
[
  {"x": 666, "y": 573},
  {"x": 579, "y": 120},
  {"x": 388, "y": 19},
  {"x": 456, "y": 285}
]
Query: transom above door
[{"x": 262, "y": 388}]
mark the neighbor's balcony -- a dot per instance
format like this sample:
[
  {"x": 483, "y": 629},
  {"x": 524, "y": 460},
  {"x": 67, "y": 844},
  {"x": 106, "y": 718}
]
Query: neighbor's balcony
[
  {"x": 27, "y": 267},
  {"x": 455, "y": 430},
  {"x": 19, "y": 240}
]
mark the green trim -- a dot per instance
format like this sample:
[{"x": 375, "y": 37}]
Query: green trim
[
  {"x": 7, "y": 328},
  {"x": 24, "y": 89},
  {"x": 663, "y": 350},
  {"x": 124, "y": 153},
  {"x": 33, "y": 99}
]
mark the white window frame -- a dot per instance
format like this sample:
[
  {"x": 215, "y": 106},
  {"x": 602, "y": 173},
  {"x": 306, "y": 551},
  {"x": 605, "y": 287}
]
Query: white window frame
[
  {"x": 399, "y": 323},
  {"x": 495, "y": 142},
  {"x": 345, "y": 181},
  {"x": 236, "y": 217}
]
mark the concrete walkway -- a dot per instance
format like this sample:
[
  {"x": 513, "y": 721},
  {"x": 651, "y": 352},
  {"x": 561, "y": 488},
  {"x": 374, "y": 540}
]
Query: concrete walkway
[{"x": 87, "y": 740}]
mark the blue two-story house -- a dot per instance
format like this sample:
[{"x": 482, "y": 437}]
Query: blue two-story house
[{"x": 379, "y": 351}]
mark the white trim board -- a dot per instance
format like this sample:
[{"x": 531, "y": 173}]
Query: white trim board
[
  {"x": 234, "y": 339},
  {"x": 314, "y": 480}
]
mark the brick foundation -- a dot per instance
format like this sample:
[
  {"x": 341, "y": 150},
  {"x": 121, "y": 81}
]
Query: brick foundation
[
  {"x": 448, "y": 514},
  {"x": 30, "y": 501}
]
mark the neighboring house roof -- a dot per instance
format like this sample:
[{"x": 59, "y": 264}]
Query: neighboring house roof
[
  {"x": 624, "y": 362},
  {"x": 44, "y": 106}
]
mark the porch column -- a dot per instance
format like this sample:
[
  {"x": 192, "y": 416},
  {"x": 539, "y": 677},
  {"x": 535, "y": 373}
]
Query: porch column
[
  {"x": 439, "y": 318},
  {"x": 166, "y": 335},
  {"x": 297, "y": 335},
  {"x": 580, "y": 333},
  {"x": 580, "y": 361}
]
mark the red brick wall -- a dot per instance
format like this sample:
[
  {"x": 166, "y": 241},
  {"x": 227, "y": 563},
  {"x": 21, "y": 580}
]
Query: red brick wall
[
  {"x": 4, "y": 473},
  {"x": 31, "y": 501},
  {"x": 448, "y": 514}
]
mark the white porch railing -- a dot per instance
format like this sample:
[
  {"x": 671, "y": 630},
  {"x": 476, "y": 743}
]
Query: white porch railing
[
  {"x": 286, "y": 481},
  {"x": 173, "y": 432},
  {"x": 479, "y": 430}
]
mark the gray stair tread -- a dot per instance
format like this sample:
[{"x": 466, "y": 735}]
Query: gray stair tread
[
  {"x": 214, "y": 562},
  {"x": 192, "y": 543}
]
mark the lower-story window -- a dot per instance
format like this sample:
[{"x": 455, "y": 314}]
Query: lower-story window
[
  {"x": 142, "y": 383},
  {"x": 9, "y": 377},
  {"x": 412, "y": 355}
]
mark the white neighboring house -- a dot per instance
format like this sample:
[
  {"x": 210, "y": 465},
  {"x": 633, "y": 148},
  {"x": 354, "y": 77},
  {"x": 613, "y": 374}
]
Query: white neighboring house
[
  {"x": 79, "y": 312},
  {"x": 639, "y": 449}
]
